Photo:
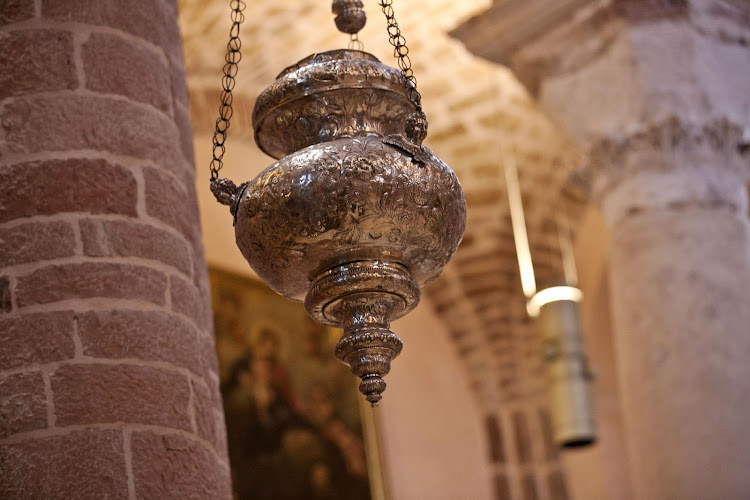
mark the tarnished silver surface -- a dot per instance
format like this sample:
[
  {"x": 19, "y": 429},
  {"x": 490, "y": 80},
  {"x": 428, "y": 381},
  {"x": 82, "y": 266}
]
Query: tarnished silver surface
[
  {"x": 323, "y": 301},
  {"x": 363, "y": 297},
  {"x": 344, "y": 201},
  {"x": 328, "y": 96},
  {"x": 350, "y": 15},
  {"x": 357, "y": 216}
]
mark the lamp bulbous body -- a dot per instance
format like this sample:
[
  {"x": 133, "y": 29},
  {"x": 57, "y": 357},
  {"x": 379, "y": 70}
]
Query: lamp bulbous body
[
  {"x": 347, "y": 220},
  {"x": 344, "y": 201}
]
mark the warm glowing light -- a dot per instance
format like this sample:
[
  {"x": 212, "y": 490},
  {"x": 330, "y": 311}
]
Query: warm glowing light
[
  {"x": 518, "y": 221},
  {"x": 566, "y": 251},
  {"x": 552, "y": 294}
]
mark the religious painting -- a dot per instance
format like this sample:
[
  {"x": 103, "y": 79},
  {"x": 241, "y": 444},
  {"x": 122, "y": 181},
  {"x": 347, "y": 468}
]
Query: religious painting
[{"x": 296, "y": 427}]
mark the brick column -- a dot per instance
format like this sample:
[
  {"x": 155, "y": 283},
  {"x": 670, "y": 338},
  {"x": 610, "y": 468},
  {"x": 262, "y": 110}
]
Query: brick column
[{"x": 108, "y": 376}]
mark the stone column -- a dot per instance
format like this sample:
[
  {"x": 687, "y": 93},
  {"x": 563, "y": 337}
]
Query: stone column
[
  {"x": 656, "y": 95},
  {"x": 680, "y": 274},
  {"x": 108, "y": 376}
]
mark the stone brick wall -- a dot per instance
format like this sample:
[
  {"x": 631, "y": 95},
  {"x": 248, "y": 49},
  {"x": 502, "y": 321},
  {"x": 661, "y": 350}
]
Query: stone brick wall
[{"x": 108, "y": 377}]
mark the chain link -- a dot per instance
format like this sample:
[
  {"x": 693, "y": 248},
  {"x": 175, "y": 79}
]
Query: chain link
[
  {"x": 401, "y": 52},
  {"x": 355, "y": 43},
  {"x": 232, "y": 59}
]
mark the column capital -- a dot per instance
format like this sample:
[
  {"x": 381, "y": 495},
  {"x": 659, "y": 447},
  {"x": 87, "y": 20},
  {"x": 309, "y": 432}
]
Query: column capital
[
  {"x": 670, "y": 164},
  {"x": 638, "y": 84},
  {"x": 704, "y": 154}
]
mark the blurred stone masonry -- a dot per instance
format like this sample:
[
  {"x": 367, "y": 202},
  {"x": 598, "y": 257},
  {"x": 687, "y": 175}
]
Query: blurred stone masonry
[
  {"x": 108, "y": 371},
  {"x": 655, "y": 94}
]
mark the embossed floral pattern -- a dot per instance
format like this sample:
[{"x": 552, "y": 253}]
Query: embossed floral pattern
[
  {"x": 353, "y": 197},
  {"x": 328, "y": 96}
]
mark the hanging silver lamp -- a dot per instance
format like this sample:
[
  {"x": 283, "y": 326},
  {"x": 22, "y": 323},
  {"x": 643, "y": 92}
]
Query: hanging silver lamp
[{"x": 356, "y": 215}]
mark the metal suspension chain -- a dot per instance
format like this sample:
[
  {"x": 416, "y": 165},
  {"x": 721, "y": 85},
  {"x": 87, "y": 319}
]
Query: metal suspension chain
[
  {"x": 401, "y": 52},
  {"x": 355, "y": 43},
  {"x": 232, "y": 59}
]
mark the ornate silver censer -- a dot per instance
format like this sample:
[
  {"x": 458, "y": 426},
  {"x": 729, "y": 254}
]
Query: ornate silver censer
[{"x": 356, "y": 215}]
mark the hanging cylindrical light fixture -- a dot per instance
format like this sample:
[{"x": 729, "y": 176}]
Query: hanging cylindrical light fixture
[
  {"x": 357, "y": 214},
  {"x": 556, "y": 310}
]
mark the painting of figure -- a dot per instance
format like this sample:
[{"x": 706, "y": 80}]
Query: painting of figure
[{"x": 294, "y": 427}]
